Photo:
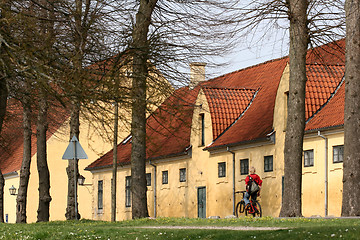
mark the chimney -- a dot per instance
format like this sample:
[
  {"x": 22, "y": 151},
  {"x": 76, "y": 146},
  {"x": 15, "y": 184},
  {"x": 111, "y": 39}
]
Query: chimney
[{"x": 197, "y": 73}]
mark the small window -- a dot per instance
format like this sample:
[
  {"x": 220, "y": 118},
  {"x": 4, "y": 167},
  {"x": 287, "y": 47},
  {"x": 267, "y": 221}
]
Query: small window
[
  {"x": 244, "y": 166},
  {"x": 165, "y": 177},
  {"x": 309, "y": 158},
  {"x": 338, "y": 154},
  {"x": 100, "y": 194},
  {"x": 128, "y": 191},
  {"x": 268, "y": 163},
  {"x": 221, "y": 169},
  {"x": 202, "y": 126},
  {"x": 182, "y": 174},
  {"x": 148, "y": 179}
]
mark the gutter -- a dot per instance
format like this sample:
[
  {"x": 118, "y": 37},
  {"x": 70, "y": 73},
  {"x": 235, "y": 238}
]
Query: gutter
[
  {"x": 10, "y": 175},
  {"x": 154, "y": 187},
  {"x": 233, "y": 171},
  {"x": 326, "y": 172}
]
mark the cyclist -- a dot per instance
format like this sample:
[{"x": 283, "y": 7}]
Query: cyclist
[{"x": 249, "y": 193}]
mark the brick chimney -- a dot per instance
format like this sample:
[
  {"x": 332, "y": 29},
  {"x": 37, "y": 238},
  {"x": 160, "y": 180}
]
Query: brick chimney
[{"x": 197, "y": 73}]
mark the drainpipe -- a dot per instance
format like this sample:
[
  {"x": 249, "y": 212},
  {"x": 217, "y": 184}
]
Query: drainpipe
[
  {"x": 233, "y": 193},
  {"x": 326, "y": 172},
  {"x": 154, "y": 187}
]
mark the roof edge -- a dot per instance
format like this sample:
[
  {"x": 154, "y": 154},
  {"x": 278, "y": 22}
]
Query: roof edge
[
  {"x": 184, "y": 153},
  {"x": 269, "y": 140}
]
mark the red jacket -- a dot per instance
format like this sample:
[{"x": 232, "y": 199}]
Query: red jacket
[{"x": 256, "y": 179}]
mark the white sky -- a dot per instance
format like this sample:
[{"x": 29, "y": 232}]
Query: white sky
[{"x": 250, "y": 53}]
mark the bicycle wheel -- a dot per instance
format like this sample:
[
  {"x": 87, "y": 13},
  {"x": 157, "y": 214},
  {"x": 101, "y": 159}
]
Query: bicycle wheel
[
  {"x": 240, "y": 207},
  {"x": 247, "y": 210},
  {"x": 258, "y": 211}
]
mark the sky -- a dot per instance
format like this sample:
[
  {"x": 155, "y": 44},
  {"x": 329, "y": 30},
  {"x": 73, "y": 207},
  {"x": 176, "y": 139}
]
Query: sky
[{"x": 250, "y": 54}]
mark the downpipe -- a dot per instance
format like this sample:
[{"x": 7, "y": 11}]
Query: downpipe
[
  {"x": 154, "y": 186},
  {"x": 233, "y": 171},
  {"x": 326, "y": 172}
]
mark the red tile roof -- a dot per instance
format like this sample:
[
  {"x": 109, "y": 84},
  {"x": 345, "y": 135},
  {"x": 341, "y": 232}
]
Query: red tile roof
[
  {"x": 11, "y": 143},
  {"x": 330, "y": 54},
  {"x": 321, "y": 83},
  {"x": 257, "y": 122},
  {"x": 168, "y": 130},
  {"x": 332, "y": 114},
  {"x": 226, "y": 105}
]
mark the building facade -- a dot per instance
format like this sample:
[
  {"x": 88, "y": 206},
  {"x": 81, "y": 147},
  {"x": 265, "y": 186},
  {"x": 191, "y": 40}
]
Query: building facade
[{"x": 196, "y": 166}]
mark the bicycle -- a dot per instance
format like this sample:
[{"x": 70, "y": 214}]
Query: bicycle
[{"x": 253, "y": 208}]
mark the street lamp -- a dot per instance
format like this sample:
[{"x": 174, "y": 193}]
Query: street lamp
[
  {"x": 12, "y": 190},
  {"x": 81, "y": 181}
]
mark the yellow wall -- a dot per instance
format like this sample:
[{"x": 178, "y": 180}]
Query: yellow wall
[
  {"x": 94, "y": 146},
  {"x": 313, "y": 183},
  {"x": 10, "y": 200}
]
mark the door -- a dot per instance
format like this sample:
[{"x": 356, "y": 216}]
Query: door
[{"x": 201, "y": 192}]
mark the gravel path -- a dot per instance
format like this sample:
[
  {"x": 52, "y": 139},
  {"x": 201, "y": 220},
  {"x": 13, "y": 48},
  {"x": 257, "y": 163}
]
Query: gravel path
[{"x": 239, "y": 228}]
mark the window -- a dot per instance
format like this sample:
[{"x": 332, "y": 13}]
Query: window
[
  {"x": 244, "y": 166},
  {"x": 128, "y": 191},
  {"x": 202, "y": 126},
  {"x": 165, "y": 177},
  {"x": 182, "y": 175},
  {"x": 100, "y": 194},
  {"x": 309, "y": 158},
  {"x": 338, "y": 154},
  {"x": 268, "y": 163},
  {"x": 148, "y": 179},
  {"x": 221, "y": 169}
]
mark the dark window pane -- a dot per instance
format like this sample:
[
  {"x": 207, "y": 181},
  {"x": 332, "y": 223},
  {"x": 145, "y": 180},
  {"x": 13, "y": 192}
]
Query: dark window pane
[
  {"x": 100, "y": 194},
  {"x": 202, "y": 122},
  {"x": 309, "y": 158},
  {"x": 244, "y": 166},
  {"x": 148, "y": 179},
  {"x": 268, "y": 163},
  {"x": 222, "y": 169},
  {"x": 165, "y": 177},
  {"x": 338, "y": 154},
  {"x": 182, "y": 175},
  {"x": 128, "y": 191}
]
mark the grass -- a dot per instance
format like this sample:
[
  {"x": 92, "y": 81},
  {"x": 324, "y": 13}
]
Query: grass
[{"x": 297, "y": 228}]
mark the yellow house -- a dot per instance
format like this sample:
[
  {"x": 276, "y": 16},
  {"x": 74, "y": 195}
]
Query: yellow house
[
  {"x": 203, "y": 139},
  {"x": 94, "y": 138}
]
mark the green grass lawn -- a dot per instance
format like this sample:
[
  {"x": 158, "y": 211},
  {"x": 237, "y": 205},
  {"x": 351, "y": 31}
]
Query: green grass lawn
[{"x": 297, "y": 228}]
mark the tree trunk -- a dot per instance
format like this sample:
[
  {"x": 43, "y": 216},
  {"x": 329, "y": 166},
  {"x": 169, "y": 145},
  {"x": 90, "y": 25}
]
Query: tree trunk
[
  {"x": 74, "y": 131},
  {"x": 3, "y": 86},
  {"x": 299, "y": 39},
  {"x": 3, "y": 103},
  {"x": 2, "y": 184},
  {"x": 351, "y": 165},
  {"x": 114, "y": 170},
  {"x": 79, "y": 43},
  {"x": 43, "y": 170},
  {"x": 138, "y": 124},
  {"x": 25, "y": 165},
  {"x": 3, "y": 98}
]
